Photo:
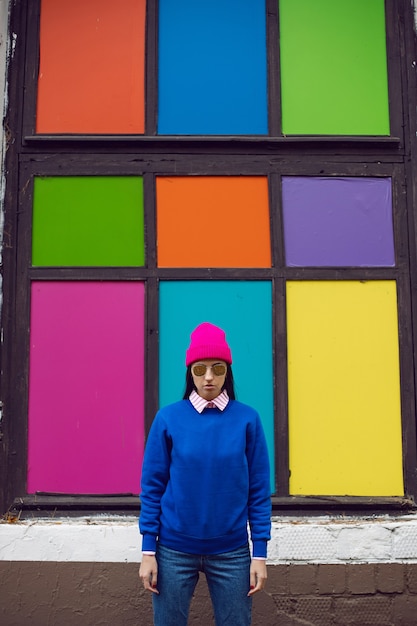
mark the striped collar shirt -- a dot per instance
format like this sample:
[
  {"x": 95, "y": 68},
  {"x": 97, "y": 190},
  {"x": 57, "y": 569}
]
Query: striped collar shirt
[{"x": 200, "y": 403}]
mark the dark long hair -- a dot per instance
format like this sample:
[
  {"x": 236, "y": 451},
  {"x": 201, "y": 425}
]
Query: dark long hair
[{"x": 229, "y": 384}]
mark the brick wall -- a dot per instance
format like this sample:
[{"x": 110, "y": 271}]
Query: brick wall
[
  {"x": 335, "y": 595},
  {"x": 99, "y": 594}
]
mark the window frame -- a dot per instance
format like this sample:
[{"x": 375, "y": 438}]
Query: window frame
[{"x": 149, "y": 155}]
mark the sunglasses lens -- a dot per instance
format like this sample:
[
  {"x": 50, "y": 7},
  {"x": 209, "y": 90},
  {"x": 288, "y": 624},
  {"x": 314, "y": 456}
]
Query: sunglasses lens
[
  {"x": 199, "y": 370},
  {"x": 218, "y": 369}
]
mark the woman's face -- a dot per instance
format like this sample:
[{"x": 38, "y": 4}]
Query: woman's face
[{"x": 209, "y": 384}]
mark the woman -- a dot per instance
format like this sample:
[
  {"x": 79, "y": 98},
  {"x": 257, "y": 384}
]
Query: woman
[{"x": 205, "y": 477}]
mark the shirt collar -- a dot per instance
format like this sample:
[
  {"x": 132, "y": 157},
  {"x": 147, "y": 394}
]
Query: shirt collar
[{"x": 200, "y": 403}]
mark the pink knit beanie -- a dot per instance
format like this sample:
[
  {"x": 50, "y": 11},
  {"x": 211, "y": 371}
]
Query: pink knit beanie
[{"x": 208, "y": 342}]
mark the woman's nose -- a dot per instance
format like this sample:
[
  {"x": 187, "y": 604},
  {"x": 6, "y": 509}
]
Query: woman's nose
[{"x": 209, "y": 373}]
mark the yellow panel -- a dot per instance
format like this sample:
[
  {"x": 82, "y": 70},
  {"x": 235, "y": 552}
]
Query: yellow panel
[{"x": 344, "y": 389}]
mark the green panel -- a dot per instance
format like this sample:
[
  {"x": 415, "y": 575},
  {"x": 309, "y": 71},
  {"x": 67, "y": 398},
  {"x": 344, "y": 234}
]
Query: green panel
[
  {"x": 333, "y": 67},
  {"x": 88, "y": 221}
]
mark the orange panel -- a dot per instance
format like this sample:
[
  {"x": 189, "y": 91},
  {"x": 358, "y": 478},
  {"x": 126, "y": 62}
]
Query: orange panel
[
  {"x": 206, "y": 221},
  {"x": 91, "y": 75}
]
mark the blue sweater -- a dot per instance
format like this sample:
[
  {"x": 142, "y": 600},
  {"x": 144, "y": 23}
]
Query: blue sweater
[{"x": 204, "y": 477}]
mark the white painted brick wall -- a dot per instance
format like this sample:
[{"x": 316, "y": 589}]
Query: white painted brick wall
[{"x": 294, "y": 540}]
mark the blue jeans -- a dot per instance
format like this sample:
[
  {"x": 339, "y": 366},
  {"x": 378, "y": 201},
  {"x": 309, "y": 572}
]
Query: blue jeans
[{"x": 228, "y": 581}]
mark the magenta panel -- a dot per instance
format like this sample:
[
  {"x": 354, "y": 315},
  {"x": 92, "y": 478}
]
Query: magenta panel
[{"x": 86, "y": 387}]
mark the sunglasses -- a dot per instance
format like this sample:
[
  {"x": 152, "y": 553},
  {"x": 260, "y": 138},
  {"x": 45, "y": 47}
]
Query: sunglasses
[{"x": 218, "y": 369}]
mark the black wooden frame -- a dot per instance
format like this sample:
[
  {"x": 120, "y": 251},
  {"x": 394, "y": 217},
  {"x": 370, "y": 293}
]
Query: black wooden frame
[{"x": 30, "y": 155}]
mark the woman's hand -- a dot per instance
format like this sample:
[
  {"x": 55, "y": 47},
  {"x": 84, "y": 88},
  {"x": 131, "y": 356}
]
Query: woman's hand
[
  {"x": 148, "y": 573},
  {"x": 258, "y": 576}
]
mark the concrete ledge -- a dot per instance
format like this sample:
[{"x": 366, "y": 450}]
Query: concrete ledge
[{"x": 294, "y": 540}]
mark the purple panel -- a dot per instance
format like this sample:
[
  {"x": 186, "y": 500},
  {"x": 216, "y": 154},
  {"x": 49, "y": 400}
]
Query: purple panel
[{"x": 338, "y": 221}]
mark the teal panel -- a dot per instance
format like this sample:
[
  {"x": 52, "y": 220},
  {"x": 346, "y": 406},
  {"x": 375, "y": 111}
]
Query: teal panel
[{"x": 244, "y": 310}]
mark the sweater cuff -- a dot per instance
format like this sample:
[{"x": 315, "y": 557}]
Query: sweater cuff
[
  {"x": 259, "y": 547},
  {"x": 148, "y": 543}
]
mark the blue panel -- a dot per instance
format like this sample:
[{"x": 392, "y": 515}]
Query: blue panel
[
  {"x": 244, "y": 310},
  {"x": 212, "y": 67}
]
